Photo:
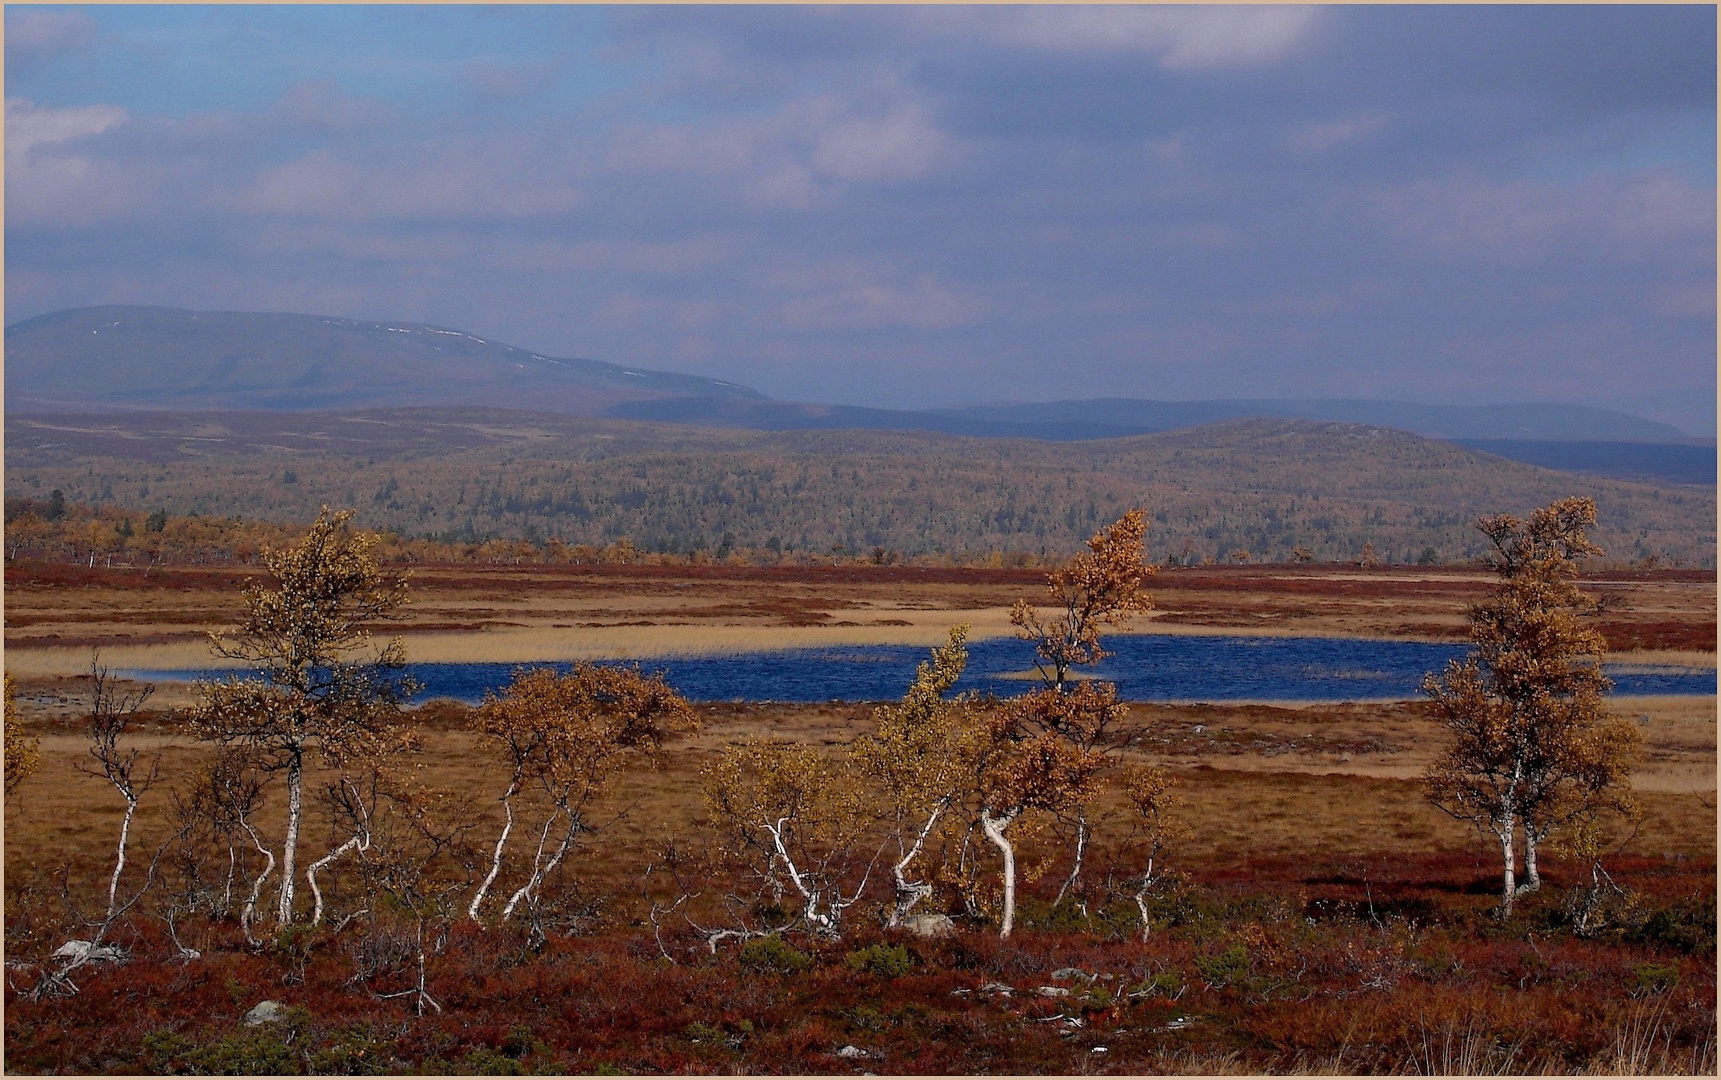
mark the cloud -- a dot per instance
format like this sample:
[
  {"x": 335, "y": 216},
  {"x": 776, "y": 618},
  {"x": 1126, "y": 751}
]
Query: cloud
[
  {"x": 48, "y": 180},
  {"x": 1181, "y": 38},
  {"x": 458, "y": 179},
  {"x": 1320, "y": 137},
  {"x": 33, "y": 36},
  {"x": 802, "y": 154},
  {"x": 318, "y": 105},
  {"x": 29, "y": 125},
  {"x": 1523, "y": 222},
  {"x": 922, "y": 304}
]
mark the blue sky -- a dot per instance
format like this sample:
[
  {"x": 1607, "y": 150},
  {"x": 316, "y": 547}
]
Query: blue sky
[{"x": 909, "y": 206}]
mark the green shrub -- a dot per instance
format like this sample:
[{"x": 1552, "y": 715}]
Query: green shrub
[
  {"x": 1655, "y": 978},
  {"x": 1688, "y": 926},
  {"x": 1165, "y": 984},
  {"x": 774, "y": 954},
  {"x": 868, "y": 1018},
  {"x": 701, "y": 1032},
  {"x": 348, "y": 1053},
  {"x": 1224, "y": 968},
  {"x": 248, "y": 1054},
  {"x": 885, "y": 961},
  {"x": 479, "y": 1061}
]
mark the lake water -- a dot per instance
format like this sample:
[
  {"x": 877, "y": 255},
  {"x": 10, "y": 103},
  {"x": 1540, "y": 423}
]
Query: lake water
[{"x": 1146, "y": 667}]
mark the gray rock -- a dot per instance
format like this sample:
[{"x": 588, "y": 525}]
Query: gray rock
[
  {"x": 1053, "y": 991},
  {"x": 852, "y": 1051},
  {"x": 265, "y": 1012},
  {"x": 930, "y": 926},
  {"x": 996, "y": 988},
  {"x": 1072, "y": 973}
]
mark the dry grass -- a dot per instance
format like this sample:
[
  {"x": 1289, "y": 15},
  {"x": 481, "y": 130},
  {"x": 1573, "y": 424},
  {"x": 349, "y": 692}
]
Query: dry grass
[{"x": 57, "y": 613}]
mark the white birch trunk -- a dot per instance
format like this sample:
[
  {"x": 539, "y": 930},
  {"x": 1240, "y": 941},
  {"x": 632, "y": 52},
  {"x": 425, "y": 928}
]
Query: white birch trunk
[
  {"x": 994, "y": 828},
  {"x": 119, "y": 861},
  {"x": 495, "y": 856},
  {"x": 289, "y": 846}
]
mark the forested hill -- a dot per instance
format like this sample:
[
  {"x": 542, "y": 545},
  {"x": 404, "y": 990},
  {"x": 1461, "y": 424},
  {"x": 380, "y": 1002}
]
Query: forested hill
[{"x": 1265, "y": 487}]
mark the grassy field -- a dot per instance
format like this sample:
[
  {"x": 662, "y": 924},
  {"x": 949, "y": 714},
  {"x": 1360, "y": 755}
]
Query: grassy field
[
  {"x": 1323, "y": 917},
  {"x": 57, "y": 612}
]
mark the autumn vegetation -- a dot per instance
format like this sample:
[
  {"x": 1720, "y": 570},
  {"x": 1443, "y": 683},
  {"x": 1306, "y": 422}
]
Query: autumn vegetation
[
  {"x": 970, "y": 884},
  {"x": 1253, "y": 491}
]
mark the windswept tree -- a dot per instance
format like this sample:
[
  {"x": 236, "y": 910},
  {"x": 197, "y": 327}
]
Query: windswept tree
[
  {"x": 320, "y": 684},
  {"x": 23, "y": 752},
  {"x": 1153, "y": 828},
  {"x": 564, "y": 738},
  {"x": 921, "y": 757},
  {"x": 1026, "y": 766},
  {"x": 793, "y": 817},
  {"x": 1099, "y": 588},
  {"x": 1102, "y": 587},
  {"x": 1533, "y": 747},
  {"x": 112, "y": 712}
]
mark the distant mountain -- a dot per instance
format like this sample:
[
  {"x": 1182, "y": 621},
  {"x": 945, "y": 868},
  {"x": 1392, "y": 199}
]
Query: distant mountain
[
  {"x": 121, "y": 357},
  {"x": 1107, "y": 418},
  {"x": 166, "y": 358}
]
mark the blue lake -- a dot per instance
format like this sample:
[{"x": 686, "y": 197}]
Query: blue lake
[{"x": 1148, "y": 667}]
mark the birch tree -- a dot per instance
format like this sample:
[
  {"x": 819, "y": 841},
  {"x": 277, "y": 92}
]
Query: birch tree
[
  {"x": 564, "y": 738},
  {"x": 320, "y": 685},
  {"x": 1148, "y": 790},
  {"x": 789, "y": 813},
  {"x": 1102, "y": 587},
  {"x": 1026, "y": 766},
  {"x": 1533, "y": 747},
  {"x": 1099, "y": 588},
  {"x": 920, "y": 755},
  {"x": 23, "y": 752},
  {"x": 111, "y": 714}
]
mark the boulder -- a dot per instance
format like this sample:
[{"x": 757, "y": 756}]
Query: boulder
[
  {"x": 265, "y": 1012},
  {"x": 929, "y": 926}
]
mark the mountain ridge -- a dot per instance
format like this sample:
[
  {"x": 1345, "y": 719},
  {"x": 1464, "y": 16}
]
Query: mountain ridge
[
  {"x": 134, "y": 357},
  {"x": 128, "y": 357}
]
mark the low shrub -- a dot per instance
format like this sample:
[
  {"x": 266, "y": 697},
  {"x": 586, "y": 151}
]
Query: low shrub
[
  {"x": 1687, "y": 926},
  {"x": 885, "y": 961},
  {"x": 1221, "y": 969},
  {"x": 774, "y": 954}
]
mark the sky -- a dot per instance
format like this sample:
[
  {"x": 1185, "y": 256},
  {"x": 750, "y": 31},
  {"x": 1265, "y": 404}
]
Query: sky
[{"x": 909, "y": 206}]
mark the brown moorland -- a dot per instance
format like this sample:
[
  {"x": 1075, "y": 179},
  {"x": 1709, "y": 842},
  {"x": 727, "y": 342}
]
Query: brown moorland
[
  {"x": 1321, "y": 916},
  {"x": 57, "y": 612},
  {"x": 1327, "y": 919}
]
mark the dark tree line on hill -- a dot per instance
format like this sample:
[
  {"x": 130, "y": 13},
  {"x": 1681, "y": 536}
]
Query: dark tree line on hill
[{"x": 1253, "y": 491}]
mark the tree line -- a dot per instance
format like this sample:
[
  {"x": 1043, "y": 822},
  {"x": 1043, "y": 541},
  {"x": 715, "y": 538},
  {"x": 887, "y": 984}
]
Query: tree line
[
  {"x": 1256, "y": 492},
  {"x": 920, "y": 820}
]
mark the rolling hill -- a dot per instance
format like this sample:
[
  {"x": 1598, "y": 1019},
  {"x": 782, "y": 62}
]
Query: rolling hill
[{"x": 1264, "y": 486}]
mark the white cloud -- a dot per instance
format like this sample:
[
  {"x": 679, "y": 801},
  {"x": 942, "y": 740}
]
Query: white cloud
[
  {"x": 36, "y": 34},
  {"x": 48, "y": 181},
  {"x": 798, "y": 156},
  {"x": 29, "y": 125},
  {"x": 461, "y": 179}
]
